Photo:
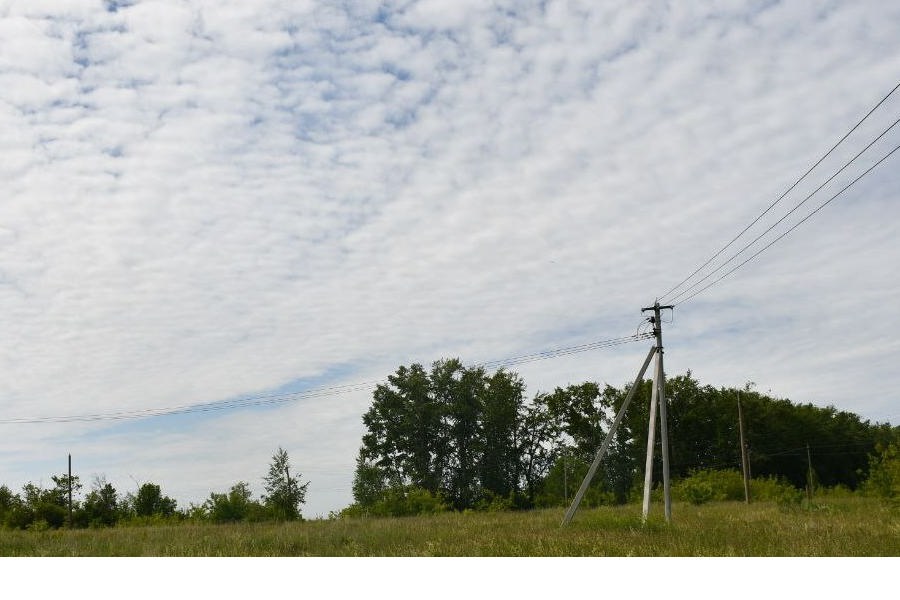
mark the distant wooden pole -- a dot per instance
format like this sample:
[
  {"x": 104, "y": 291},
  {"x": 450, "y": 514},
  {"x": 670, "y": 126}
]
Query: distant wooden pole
[
  {"x": 745, "y": 461},
  {"x": 70, "y": 491},
  {"x": 809, "y": 476}
]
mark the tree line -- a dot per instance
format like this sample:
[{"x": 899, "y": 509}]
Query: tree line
[
  {"x": 465, "y": 438},
  {"x": 40, "y": 508}
]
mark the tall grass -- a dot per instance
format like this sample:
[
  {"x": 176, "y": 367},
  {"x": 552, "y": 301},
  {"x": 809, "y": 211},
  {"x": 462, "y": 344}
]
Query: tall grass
[{"x": 840, "y": 526}]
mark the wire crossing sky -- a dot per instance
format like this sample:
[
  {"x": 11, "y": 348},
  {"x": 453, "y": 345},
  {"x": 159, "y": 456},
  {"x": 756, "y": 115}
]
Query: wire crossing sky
[
  {"x": 336, "y": 390},
  {"x": 217, "y": 214},
  {"x": 780, "y": 198}
]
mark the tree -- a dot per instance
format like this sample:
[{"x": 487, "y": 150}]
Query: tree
[
  {"x": 501, "y": 467},
  {"x": 150, "y": 502},
  {"x": 461, "y": 392},
  {"x": 101, "y": 505},
  {"x": 10, "y": 504},
  {"x": 461, "y": 434},
  {"x": 368, "y": 483},
  {"x": 406, "y": 436},
  {"x": 284, "y": 492},
  {"x": 234, "y": 506}
]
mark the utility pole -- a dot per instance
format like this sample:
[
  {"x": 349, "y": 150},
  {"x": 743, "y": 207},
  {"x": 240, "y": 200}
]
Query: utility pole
[
  {"x": 70, "y": 491},
  {"x": 651, "y": 445},
  {"x": 659, "y": 386},
  {"x": 809, "y": 476},
  {"x": 745, "y": 461},
  {"x": 658, "y": 399}
]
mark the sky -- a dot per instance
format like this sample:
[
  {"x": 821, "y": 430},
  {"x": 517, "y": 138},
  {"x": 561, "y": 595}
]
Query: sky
[{"x": 211, "y": 200}]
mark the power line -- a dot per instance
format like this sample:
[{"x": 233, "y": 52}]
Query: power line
[
  {"x": 786, "y": 192},
  {"x": 786, "y": 215},
  {"x": 517, "y": 360},
  {"x": 274, "y": 399},
  {"x": 803, "y": 220}
]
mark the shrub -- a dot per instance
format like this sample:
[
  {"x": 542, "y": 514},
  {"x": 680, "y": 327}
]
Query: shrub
[
  {"x": 493, "y": 503},
  {"x": 884, "y": 474},
  {"x": 697, "y": 491},
  {"x": 707, "y": 484},
  {"x": 719, "y": 485},
  {"x": 401, "y": 501}
]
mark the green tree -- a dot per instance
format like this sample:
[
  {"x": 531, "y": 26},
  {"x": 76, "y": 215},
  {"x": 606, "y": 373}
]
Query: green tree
[
  {"x": 150, "y": 502},
  {"x": 369, "y": 483},
  {"x": 236, "y": 505},
  {"x": 10, "y": 504},
  {"x": 406, "y": 436},
  {"x": 884, "y": 473},
  {"x": 459, "y": 433},
  {"x": 501, "y": 466},
  {"x": 284, "y": 492},
  {"x": 461, "y": 392},
  {"x": 101, "y": 505}
]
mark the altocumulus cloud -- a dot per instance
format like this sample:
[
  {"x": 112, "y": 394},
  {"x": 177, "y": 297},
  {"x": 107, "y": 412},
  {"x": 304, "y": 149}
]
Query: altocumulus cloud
[{"x": 204, "y": 199}]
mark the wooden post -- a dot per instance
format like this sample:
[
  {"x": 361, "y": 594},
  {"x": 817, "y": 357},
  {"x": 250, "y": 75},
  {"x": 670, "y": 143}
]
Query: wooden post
[
  {"x": 70, "y": 491},
  {"x": 809, "y": 476},
  {"x": 745, "y": 461}
]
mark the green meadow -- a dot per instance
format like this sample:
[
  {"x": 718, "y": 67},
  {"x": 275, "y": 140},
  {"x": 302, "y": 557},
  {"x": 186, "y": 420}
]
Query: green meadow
[{"x": 849, "y": 526}]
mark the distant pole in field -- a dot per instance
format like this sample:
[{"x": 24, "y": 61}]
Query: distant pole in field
[
  {"x": 70, "y": 491},
  {"x": 745, "y": 460},
  {"x": 809, "y": 476},
  {"x": 565, "y": 478}
]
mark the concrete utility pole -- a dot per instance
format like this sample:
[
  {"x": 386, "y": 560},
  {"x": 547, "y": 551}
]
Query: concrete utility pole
[
  {"x": 659, "y": 386},
  {"x": 658, "y": 399},
  {"x": 651, "y": 444},
  {"x": 745, "y": 461}
]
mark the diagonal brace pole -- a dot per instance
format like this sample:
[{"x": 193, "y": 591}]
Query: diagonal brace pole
[
  {"x": 612, "y": 431},
  {"x": 651, "y": 445}
]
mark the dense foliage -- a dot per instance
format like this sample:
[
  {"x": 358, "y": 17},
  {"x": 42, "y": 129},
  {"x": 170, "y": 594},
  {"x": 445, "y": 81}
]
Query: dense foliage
[{"x": 469, "y": 439}]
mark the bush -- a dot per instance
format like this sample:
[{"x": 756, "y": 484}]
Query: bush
[
  {"x": 706, "y": 485},
  {"x": 402, "y": 501},
  {"x": 884, "y": 474},
  {"x": 720, "y": 485},
  {"x": 492, "y": 503},
  {"x": 697, "y": 491}
]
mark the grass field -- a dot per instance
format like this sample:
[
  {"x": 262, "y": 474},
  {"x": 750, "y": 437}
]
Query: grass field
[{"x": 840, "y": 527}]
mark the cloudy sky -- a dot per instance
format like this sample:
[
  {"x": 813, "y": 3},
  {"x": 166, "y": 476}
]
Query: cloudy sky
[{"x": 207, "y": 200}]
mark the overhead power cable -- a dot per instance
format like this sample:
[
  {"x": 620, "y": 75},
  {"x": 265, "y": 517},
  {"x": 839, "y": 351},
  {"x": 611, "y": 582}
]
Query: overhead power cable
[
  {"x": 786, "y": 215},
  {"x": 518, "y": 360},
  {"x": 786, "y": 192},
  {"x": 795, "y": 226},
  {"x": 273, "y": 399}
]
